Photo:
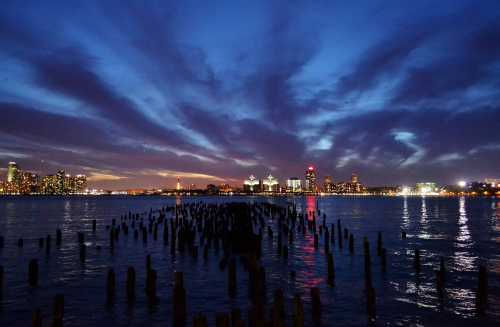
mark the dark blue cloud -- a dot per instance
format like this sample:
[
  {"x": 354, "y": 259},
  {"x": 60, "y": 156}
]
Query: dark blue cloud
[{"x": 136, "y": 93}]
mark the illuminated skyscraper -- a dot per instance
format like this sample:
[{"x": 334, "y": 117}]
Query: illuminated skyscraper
[
  {"x": 354, "y": 178},
  {"x": 251, "y": 184},
  {"x": 12, "y": 172},
  {"x": 293, "y": 185},
  {"x": 61, "y": 182},
  {"x": 311, "y": 179},
  {"x": 271, "y": 184},
  {"x": 178, "y": 186},
  {"x": 328, "y": 185}
]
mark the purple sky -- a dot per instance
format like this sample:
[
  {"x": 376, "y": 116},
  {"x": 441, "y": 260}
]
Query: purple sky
[{"x": 135, "y": 93}]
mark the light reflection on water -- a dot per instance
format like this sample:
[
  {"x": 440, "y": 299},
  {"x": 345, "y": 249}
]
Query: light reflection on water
[{"x": 465, "y": 231}]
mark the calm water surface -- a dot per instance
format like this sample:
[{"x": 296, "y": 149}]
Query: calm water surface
[{"x": 466, "y": 231}]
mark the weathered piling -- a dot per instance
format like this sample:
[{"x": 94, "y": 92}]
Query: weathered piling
[
  {"x": 285, "y": 252},
  {"x": 130, "y": 284},
  {"x": 482, "y": 290},
  {"x": 327, "y": 241},
  {"x": 297, "y": 312},
  {"x": 37, "y": 318},
  {"x": 2, "y": 242},
  {"x": 231, "y": 277},
  {"x": 416, "y": 262},
  {"x": 235, "y": 317},
  {"x": 368, "y": 269},
  {"x": 439, "y": 284},
  {"x": 83, "y": 253},
  {"x": 370, "y": 303},
  {"x": 222, "y": 319},
  {"x": 151, "y": 278},
  {"x": 58, "y": 237},
  {"x": 200, "y": 320},
  {"x": 41, "y": 241},
  {"x": 278, "y": 309},
  {"x": 316, "y": 241},
  {"x": 331, "y": 269},
  {"x": 58, "y": 311},
  {"x": 179, "y": 300},
  {"x": 442, "y": 269},
  {"x": 110, "y": 286},
  {"x": 403, "y": 235},
  {"x": 94, "y": 225},
  {"x": 33, "y": 273},
  {"x": 316, "y": 305},
  {"x": 20, "y": 243}
]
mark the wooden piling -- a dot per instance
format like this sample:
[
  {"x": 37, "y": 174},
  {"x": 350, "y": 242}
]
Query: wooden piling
[
  {"x": 482, "y": 291},
  {"x": 130, "y": 284},
  {"x": 179, "y": 300},
  {"x": 200, "y": 320},
  {"x": 110, "y": 286},
  {"x": 298, "y": 312},
  {"x": 33, "y": 273},
  {"x": 370, "y": 303},
  {"x": 58, "y": 237},
  {"x": 221, "y": 319},
  {"x": 316, "y": 305},
  {"x": 151, "y": 279},
  {"x": 368, "y": 269},
  {"x": 316, "y": 241},
  {"x": 351, "y": 244},
  {"x": 94, "y": 225},
  {"x": 278, "y": 309},
  {"x": 416, "y": 263},
  {"x": 58, "y": 311},
  {"x": 37, "y": 318},
  {"x": 235, "y": 317}
]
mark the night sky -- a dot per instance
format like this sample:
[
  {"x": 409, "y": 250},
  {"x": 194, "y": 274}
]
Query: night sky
[{"x": 135, "y": 93}]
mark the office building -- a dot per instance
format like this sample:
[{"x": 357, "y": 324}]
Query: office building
[
  {"x": 311, "y": 180},
  {"x": 251, "y": 184},
  {"x": 271, "y": 184},
  {"x": 293, "y": 185}
]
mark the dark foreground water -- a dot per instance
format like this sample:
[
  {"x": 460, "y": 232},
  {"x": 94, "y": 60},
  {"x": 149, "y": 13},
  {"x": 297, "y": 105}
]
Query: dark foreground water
[{"x": 466, "y": 231}]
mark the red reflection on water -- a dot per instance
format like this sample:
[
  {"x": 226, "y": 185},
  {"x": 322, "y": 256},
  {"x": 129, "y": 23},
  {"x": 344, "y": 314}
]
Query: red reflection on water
[{"x": 310, "y": 206}]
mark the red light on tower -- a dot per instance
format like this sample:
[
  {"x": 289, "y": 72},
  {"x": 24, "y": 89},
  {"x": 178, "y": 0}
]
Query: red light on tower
[{"x": 311, "y": 168}]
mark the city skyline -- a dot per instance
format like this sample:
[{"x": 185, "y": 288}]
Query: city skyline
[{"x": 212, "y": 93}]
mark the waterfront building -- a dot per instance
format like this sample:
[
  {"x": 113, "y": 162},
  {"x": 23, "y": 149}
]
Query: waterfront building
[
  {"x": 49, "y": 184},
  {"x": 27, "y": 183},
  {"x": 311, "y": 179},
  {"x": 328, "y": 185},
  {"x": 271, "y": 184},
  {"x": 251, "y": 184},
  {"x": 178, "y": 186},
  {"x": 427, "y": 188},
  {"x": 12, "y": 172},
  {"x": 293, "y": 185}
]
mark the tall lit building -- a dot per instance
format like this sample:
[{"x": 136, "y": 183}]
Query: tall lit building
[
  {"x": 311, "y": 179},
  {"x": 28, "y": 183},
  {"x": 251, "y": 184},
  {"x": 354, "y": 178},
  {"x": 328, "y": 185},
  {"x": 61, "y": 182},
  {"x": 271, "y": 184},
  {"x": 12, "y": 172},
  {"x": 49, "y": 184},
  {"x": 178, "y": 186},
  {"x": 293, "y": 185}
]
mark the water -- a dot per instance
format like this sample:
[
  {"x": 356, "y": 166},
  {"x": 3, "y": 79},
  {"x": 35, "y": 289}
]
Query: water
[{"x": 464, "y": 230}]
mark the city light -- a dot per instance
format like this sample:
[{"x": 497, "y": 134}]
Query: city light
[{"x": 462, "y": 184}]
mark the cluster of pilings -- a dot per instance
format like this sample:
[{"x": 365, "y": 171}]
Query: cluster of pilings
[{"x": 236, "y": 231}]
